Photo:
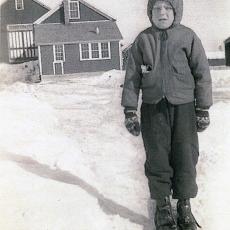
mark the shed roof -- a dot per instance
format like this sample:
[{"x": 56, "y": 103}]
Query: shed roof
[
  {"x": 76, "y": 32},
  {"x": 227, "y": 40}
]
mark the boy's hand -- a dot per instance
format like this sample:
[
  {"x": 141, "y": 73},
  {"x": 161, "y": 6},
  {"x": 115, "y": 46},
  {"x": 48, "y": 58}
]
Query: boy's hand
[
  {"x": 131, "y": 122},
  {"x": 202, "y": 119}
]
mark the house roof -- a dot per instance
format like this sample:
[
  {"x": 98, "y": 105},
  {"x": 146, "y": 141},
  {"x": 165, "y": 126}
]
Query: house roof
[
  {"x": 47, "y": 6},
  {"x": 96, "y": 9},
  {"x": 42, "y": 4},
  {"x": 227, "y": 40},
  {"x": 50, "y": 3},
  {"x": 76, "y": 32},
  {"x": 49, "y": 13}
]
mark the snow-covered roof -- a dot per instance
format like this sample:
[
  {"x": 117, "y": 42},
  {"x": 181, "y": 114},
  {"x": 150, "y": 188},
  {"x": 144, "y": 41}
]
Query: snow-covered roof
[{"x": 227, "y": 40}]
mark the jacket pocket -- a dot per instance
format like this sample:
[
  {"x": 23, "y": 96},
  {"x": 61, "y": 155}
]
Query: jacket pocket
[
  {"x": 147, "y": 80},
  {"x": 183, "y": 80},
  {"x": 180, "y": 68}
]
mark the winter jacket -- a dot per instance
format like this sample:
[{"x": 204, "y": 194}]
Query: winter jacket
[
  {"x": 181, "y": 75},
  {"x": 167, "y": 63}
]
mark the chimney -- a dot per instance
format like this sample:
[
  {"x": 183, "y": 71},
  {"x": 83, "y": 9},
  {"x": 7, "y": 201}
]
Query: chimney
[{"x": 66, "y": 11}]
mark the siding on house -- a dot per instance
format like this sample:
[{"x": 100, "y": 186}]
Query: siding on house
[
  {"x": 9, "y": 15},
  {"x": 72, "y": 62},
  {"x": 47, "y": 59},
  {"x": 100, "y": 65}
]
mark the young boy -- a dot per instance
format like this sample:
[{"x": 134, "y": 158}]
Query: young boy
[{"x": 168, "y": 63}]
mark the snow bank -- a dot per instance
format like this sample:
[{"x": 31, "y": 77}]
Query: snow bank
[
  {"x": 11, "y": 73},
  {"x": 212, "y": 202},
  {"x": 221, "y": 78},
  {"x": 77, "y": 124},
  {"x": 30, "y": 127}
]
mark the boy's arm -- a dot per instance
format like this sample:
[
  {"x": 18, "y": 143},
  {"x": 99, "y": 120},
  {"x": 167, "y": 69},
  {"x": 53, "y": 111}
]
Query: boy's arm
[
  {"x": 200, "y": 70},
  {"x": 132, "y": 82}
]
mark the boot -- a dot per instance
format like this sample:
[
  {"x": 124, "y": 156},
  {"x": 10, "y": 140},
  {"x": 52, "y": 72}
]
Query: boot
[
  {"x": 164, "y": 219},
  {"x": 185, "y": 219}
]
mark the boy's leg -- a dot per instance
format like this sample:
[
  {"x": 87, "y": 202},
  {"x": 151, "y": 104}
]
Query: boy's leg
[
  {"x": 156, "y": 134},
  {"x": 185, "y": 151}
]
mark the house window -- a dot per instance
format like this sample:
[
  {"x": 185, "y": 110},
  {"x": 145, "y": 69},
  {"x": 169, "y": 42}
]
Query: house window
[
  {"x": 95, "y": 50},
  {"x": 85, "y": 51},
  {"x": 74, "y": 12},
  {"x": 59, "y": 53},
  {"x": 105, "y": 50},
  {"x": 19, "y": 4}
]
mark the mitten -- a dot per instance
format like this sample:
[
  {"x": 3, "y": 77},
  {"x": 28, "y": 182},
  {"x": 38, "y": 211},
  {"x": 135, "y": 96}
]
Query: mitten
[
  {"x": 131, "y": 122},
  {"x": 202, "y": 119}
]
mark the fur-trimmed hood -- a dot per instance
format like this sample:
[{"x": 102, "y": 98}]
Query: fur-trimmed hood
[{"x": 177, "y": 7}]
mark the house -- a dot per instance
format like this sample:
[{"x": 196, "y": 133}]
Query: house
[
  {"x": 16, "y": 37},
  {"x": 77, "y": 37}
]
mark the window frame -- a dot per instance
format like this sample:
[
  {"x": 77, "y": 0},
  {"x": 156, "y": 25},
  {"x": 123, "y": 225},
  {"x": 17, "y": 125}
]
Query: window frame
[
  {"x": 84, "y": 51},
  {"x": 90, "y": 51},
  {"x": 78, "y": 9},
  {"x": 54, "y": 53},
  {"x": 17, "y": 3}
]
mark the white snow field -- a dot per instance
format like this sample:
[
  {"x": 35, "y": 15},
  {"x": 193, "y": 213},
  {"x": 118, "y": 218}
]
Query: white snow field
[{"x": 68, "y": 163}]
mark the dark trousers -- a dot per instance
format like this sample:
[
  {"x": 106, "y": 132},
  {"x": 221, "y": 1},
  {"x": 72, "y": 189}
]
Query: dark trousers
[{"x": 171, "y": 144}]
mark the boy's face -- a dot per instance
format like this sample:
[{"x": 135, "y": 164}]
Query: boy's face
[{"x": 162, "y": 14}]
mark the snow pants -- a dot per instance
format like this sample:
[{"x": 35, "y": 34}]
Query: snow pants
[{"x": 171, "y": 144}]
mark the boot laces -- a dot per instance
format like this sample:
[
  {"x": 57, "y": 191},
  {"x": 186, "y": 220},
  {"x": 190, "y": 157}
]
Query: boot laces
[
  {"x": 187, "y": 216},
  {"x": 167, "y": 219}
]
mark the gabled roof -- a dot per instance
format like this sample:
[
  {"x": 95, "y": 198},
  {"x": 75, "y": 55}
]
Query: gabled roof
[
  {"x": 96, "y": 9},
  {"x": 76, "y": 32},
  {"x": 37, "y": 1},
  {"x": 48, "y": 14},
  {"x": 42, "y": 4}
]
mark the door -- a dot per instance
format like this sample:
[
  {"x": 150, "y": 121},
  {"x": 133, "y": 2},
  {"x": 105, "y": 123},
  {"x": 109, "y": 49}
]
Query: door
[{"x": 58, "y": 68}]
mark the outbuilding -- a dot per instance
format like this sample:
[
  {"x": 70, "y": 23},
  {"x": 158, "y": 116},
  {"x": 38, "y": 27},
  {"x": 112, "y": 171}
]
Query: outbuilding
[{"x": 227, "y": 51}]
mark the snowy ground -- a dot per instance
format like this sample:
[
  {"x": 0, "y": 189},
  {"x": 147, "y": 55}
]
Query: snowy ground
[{"x": 67, "y": 161}]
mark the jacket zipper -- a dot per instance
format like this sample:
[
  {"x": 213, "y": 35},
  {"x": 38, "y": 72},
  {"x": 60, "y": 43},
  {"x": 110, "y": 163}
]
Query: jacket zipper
[{"x": 162, "y": 61}]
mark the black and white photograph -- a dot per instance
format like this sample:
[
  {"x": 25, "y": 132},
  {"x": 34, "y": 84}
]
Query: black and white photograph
[{"x": 114, "y": 114}]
